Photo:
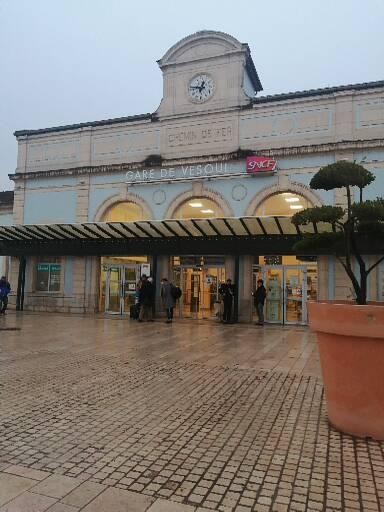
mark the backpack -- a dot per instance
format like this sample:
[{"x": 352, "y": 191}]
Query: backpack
[{"x": 176, "y": 292}]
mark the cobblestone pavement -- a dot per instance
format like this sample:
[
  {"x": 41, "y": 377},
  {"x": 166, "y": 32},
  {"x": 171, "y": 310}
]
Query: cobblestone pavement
[{"x": 110, "y": 415}]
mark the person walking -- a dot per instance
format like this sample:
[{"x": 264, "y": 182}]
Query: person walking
[
  {"x": 227, "y": 292},
  {"x": 5, "y": 289},
  {"x": 168, "y": 298},
  {"x": 146, "y": 299},
  {"x": 259, "y": 296}
]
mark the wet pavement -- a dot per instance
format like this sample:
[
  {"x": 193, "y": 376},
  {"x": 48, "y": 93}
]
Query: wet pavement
[{"x": 101, "y": 414}]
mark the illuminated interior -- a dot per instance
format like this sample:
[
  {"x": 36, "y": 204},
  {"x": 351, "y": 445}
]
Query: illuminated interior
[
  {"x": 285, "y": 204},
  {"x": 198, "y": 208},
  {"x": 120, "y": 274},
  {"x": 124, "y": 212}
]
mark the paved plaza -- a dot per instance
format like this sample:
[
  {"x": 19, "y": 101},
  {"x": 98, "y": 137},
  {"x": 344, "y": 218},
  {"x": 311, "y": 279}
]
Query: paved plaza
[{"x": 109, "y": 415}]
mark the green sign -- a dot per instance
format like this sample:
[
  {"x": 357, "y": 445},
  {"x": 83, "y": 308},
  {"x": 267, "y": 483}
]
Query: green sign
[{"x": 43, "y": 267}]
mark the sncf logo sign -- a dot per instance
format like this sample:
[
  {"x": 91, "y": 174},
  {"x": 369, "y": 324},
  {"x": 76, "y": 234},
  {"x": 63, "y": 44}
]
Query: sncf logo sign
[{"x": 257, "y": 164}]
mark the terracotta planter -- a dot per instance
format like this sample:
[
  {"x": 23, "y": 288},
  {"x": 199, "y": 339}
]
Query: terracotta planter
[{"x": 351, "y": 346}]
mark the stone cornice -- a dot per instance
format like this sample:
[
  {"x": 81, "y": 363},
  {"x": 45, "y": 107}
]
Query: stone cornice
[{"x": 223, "y": 157}]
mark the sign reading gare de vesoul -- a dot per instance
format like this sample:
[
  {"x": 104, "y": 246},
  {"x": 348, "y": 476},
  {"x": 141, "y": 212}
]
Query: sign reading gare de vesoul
[{"x": 253, "y": 165}]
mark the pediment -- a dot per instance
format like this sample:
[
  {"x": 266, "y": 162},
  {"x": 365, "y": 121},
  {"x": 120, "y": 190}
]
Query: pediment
[{"x": 204, "y": 44}]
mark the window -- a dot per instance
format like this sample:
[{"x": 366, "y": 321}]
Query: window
[
  {"x": 48, "y": 276},
  {"x": 285, "y": 204},
  {"x": 124, "y": 212},
  {"x": 198, "y": 208}
]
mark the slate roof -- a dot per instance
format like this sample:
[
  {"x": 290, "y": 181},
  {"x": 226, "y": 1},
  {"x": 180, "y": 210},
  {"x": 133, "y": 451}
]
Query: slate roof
[
  {"x": 318, "y": 92},
  {"x": 6, "y": 198}
]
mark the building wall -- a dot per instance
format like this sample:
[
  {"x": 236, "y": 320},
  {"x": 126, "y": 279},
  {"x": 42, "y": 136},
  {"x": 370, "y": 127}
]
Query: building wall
[
  {"x": 75, "y": 174},
  {"x": 345, "y": 116},
  {"x": 6, "y": 219}
]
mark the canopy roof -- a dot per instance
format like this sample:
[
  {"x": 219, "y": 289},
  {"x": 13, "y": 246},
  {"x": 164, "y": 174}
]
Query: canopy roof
[{"x": 227, "y": 235}]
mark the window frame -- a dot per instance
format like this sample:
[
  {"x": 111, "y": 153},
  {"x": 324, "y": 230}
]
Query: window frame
[{"x": 50, "y": 262}]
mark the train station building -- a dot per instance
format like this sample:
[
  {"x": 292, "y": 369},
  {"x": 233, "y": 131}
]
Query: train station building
[{"x": 198, "y": 191}]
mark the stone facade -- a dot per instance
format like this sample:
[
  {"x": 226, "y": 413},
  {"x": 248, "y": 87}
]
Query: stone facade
[{"x": 187, "y": 149}]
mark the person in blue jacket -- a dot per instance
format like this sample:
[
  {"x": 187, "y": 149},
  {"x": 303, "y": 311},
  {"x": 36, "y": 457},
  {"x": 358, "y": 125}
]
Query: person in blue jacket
[{"x": 5, "y": 288}]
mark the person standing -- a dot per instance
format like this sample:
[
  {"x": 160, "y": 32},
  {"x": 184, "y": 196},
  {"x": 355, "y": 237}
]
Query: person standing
[
  {"x": 168, "y": 298},
  {"x": 259, "y": 296},
  {"x": 227, "y": 291},
  {"x": 5, "y": 289},
  {"x": 146, "y": 299}
]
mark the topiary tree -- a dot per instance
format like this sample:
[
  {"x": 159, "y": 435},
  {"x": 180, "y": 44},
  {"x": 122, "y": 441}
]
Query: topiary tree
[{"x": 346, "y": 233}]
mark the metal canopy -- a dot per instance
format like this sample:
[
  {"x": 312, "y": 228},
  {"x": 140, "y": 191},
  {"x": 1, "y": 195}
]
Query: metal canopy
[{"x": 228, "y": 235}]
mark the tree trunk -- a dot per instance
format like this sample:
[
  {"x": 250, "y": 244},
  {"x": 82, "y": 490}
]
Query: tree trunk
[{"x": 361, "y": 298}]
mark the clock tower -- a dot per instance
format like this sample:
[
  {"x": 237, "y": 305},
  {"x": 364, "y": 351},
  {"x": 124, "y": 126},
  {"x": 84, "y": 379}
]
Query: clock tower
[{"x": 207, "y": 72}]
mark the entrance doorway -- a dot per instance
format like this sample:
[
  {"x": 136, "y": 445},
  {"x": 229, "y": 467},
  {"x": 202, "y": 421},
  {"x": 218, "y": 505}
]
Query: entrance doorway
[
  {"x": 289, "y": 288},
  {"x": 200, "y": 285},
  {"x": 118, "y": 282}
]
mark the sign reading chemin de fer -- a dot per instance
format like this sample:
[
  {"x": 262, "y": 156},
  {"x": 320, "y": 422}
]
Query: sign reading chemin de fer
[{"x": 254, "y": 165}]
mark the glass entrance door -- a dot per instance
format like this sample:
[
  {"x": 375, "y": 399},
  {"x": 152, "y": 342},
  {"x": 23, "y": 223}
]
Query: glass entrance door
[
  {"x": 288, "y": 290},
  {"x": 120, "y": 287},
  {"x": 273, "y": 282},
  {"x": 295, "y": 295},
  {"x": 200, "y": 287}
]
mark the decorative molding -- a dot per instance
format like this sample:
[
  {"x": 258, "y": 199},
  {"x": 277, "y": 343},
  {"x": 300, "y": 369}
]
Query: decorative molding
[
  {"x": 207, "y": 193},
  {"x": 239, "y": 192},
  {"x": 159, "y": 196},
  {"x": 124, "y": 197},
  {"x": 296, "y": 188},
  {"x": 221, "y": 157}
]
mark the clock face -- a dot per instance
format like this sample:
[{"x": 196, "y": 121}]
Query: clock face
[{"x": 201, "y": 88}]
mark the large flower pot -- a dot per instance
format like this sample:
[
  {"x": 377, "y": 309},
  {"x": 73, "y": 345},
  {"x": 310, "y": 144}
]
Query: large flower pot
[{"x": 351, "y": 346}]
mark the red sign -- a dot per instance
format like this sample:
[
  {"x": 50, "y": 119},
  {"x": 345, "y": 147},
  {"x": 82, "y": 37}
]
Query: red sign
[{"x": 257, "y": 164}]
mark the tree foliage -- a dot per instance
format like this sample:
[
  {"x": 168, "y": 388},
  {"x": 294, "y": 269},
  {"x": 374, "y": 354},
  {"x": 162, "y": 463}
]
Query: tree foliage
[
  {"x": 341, "y": 174},
  {"x": 329, "y": 214},
  {"x": 349, "y": 229}
]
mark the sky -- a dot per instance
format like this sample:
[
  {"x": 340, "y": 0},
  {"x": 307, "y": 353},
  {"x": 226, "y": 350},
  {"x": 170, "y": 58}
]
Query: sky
[{"x": 71, "y": 61}]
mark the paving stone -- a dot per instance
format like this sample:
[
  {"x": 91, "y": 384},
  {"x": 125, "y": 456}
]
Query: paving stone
[
  {"x": 27, "y": 472},
  {"x": 12, "y": 485},
  {"x": 28, "y": 502},
  {"x": 60, "y": 507},
  {"x": 118, "y": 500},
  {"x": 83, "y": 494},
  {"x": 56, "y": 486},
  {"x": 189, "y": 418},
  {"x": 161, "y": 505}
]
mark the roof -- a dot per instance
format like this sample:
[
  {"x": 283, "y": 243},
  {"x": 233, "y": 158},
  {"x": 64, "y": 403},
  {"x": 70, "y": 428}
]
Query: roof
[
  {"x": 252, "y": 73},
  {"x": 193, "y": 228},
  {"x": 318, "y": 92},
  {"x": 6, "y": 198},
  {"x": 151, "y": 236},
  {"x": 105, "y": 122}
]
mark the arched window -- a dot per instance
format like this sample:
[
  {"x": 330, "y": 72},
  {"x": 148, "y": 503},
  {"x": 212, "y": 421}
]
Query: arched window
[
  {"x": 124, "y": 212},
  {"x": 282, "y": 204},
  {"x": 198, "y": 208}
]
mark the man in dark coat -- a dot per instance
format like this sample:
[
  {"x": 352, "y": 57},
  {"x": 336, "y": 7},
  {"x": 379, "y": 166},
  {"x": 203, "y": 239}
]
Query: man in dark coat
[
  {"x": 167, "y": 296},
  {"x": 227, "y": 292},
  {"x": 5, "y": 289},
  {"x": 259, "y": 298},
  {"x": 146, "y": 299}
]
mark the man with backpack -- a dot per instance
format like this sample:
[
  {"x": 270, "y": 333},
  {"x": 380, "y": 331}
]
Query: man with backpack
[
  {"x": 169, "y": 295},
  {"x": 5, "y": 289}
]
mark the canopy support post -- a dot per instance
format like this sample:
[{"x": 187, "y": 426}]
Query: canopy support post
[
  {"x": 21, "y": 284},
  {"x": 237, "y": 286}
]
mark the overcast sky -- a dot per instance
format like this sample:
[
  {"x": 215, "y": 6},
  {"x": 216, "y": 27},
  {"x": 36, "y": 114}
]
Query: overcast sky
[{"x": 71, "y": 61}]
